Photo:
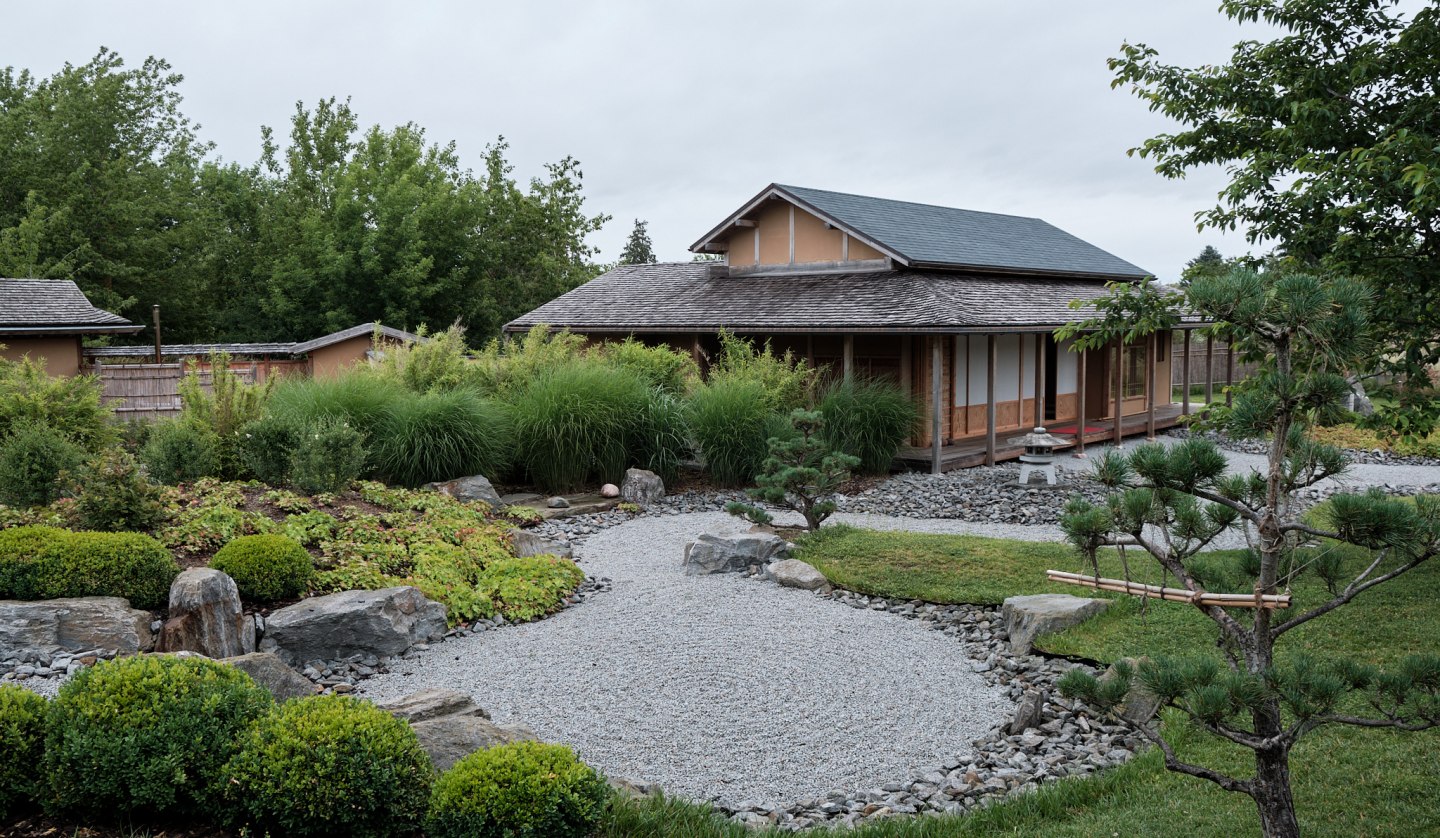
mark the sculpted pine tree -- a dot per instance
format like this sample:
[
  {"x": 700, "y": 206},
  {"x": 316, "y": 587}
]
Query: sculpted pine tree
[
  {"x": 638, "y": 249},
  {"x": 1175, "y": 501},
  {"x": 801, "y": 474}
]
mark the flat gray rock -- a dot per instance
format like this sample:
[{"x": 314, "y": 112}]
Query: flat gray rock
[
  {"x": 74, "y": 624},
  {"x": 730, "y": 553},
  {"x": 1027, "y": 617},
  {"x": 473, "y": 489},
  {"x": 793, "y": 573},
  {"x": 270, "y": 672},
  {"x": 449, "y": 739},
  {"x": 641, "y": 487},
  {"x": 431, "y": 704},
  {"x": 384, "y": 623},
  {"x": 528, "y": 543}
]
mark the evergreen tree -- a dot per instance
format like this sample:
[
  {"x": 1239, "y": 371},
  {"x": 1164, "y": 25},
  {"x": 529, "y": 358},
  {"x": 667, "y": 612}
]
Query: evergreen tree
[
  {"x": 1305, "y": 330},
  {"x": 638, "y": 250},
  {"x": 802, "y": 474}
]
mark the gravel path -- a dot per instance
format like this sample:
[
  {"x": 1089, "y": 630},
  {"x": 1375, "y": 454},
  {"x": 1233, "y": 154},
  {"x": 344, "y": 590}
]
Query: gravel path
[{"x": 720, "y": 686}]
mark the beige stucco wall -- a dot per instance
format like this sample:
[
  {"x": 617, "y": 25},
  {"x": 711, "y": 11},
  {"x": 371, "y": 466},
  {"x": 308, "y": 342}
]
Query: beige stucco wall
[
  {"x": 772, "y": 224},
  {"x": 813, "y": 241},
  {"x": 61, "y": 354},
  {"x": 329, "y": 361}
]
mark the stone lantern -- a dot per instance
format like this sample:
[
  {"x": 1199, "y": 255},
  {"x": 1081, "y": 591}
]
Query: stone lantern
[{"x": 1039, "y": 454}]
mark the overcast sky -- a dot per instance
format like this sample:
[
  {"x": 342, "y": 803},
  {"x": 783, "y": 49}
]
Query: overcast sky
[{"x": 679, "y": 112}]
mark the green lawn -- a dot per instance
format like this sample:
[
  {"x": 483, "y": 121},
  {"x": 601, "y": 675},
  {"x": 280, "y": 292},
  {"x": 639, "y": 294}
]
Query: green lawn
[{"x": 1348, "y": 782}]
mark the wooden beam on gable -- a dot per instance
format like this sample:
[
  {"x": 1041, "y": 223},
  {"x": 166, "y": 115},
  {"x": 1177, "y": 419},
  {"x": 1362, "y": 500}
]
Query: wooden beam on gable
[{"x": 744, "y": 222}]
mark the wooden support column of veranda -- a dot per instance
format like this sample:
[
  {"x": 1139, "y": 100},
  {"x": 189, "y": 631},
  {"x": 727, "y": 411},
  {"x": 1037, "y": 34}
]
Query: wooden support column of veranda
[
  {"x": 1040, "y": 353},
  {"x": 990, "y": 350},
  {"x": 1151, "y": 342},
  {"x": 937, "y": 403},
  {"x": 1185, "y": 375},
  {"x": 1080, "y": 408}
]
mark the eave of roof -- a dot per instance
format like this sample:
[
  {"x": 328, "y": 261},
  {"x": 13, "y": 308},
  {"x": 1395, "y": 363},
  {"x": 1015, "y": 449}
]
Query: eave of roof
[
  {"x": 71, "y": 329},
  {"x": 354, "y": 332}
]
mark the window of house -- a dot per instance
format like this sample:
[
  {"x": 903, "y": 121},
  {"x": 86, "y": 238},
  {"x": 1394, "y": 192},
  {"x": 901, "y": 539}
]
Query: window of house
[{"x": 1134, "y": 367}]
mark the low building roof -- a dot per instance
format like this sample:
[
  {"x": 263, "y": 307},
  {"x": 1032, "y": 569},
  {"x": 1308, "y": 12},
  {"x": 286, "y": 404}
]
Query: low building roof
[
  {"x": 54, "y": 306},
  {"x": 195, "y": 350},
  {"x": 702, "y": 297},
  {"x": 928, "y": 236}
]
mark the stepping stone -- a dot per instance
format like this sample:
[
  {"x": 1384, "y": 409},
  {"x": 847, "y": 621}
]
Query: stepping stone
[{"x": 1027, "y": 617}]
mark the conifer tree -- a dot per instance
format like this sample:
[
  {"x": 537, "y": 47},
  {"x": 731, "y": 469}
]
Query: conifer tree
[
  {"x": 638, "y": 249},
  {"x": 1305, "y": 330}
]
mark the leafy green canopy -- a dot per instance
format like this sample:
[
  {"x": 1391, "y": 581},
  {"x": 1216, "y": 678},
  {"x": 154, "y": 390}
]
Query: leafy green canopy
[{"x": 1330, "y": 134}]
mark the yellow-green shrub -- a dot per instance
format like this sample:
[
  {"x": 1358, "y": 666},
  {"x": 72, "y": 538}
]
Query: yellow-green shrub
[
  {"x": 22, "y": 745},
  {"x": 529, "y": 587},
  {"x": 266, "y": 568},
  {"x": 520, "y": 790}
]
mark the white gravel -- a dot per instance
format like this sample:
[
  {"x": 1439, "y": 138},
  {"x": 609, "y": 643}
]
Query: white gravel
[{"x": 721, "y": 686}]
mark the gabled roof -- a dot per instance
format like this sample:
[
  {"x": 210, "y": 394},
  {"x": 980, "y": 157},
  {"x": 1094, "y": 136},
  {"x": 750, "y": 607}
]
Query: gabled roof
[
  {"x": 701, "y": 297},
  {"x": 54, "y": 306},
  {"x": 927, "y": 236},
  {"x": 364, "y": 329}
]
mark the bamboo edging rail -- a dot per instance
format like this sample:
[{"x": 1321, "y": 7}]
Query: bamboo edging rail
[{"x": 1121, "y": 586}]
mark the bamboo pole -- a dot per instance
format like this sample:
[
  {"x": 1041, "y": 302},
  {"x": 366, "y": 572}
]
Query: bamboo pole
[{"x": 1121, "y": 586}]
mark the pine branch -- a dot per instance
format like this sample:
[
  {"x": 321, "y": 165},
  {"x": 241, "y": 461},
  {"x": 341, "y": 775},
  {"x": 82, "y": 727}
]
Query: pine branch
[
  {"x": 1174, "y": 763},
  {"x": 1357, "y": 586}
]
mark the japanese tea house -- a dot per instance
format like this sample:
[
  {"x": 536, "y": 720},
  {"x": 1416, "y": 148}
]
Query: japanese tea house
[{"x": 958, "y": 306}]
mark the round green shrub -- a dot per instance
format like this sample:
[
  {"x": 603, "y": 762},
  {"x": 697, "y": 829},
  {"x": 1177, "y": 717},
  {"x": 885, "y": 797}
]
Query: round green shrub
[
  {"x": 442, "y": 435},
  {"x": 32, "y": 459},
  {"x": 180, "y": 452},
  {"x": 147, "y": 735},
  {"x": 520, "y": 790},
  {"x": 265, "y": 447},
  {"x": 266, "y": 568},
  {"x": 22, "y": 744},
  {"x": 330, "y": 765},
  {"x": 328, "y": 456},
  {"x": 111, "y": 494},
  {"x": 47, "y": 562}
]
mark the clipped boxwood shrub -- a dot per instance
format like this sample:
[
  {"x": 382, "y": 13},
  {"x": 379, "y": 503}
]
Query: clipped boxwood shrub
[
  {"x": 266, "y": 568},
  {"x": 32, "y": 458},
  {"x": 520, "y": 790},
  {"x": 330, "y": 765},
  {"x": 47, "y": 562},
  {"x": 147, "y": 735},
  {"x": 22, "y": 744},
  {"x": 180, "y": 452}
]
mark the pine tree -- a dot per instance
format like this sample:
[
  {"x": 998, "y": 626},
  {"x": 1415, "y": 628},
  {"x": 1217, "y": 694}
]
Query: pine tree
[
  {"x": 801, "y": 474},
  {"x": 638, "y": 250},
  {"x": 1175, "y": 501}
]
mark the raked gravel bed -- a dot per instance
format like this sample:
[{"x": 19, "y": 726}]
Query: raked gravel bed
[{"x": 721, "y": 686}]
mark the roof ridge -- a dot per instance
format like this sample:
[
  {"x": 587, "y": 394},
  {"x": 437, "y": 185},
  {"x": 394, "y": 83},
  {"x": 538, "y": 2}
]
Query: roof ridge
[{"x": 914, "y": 203}]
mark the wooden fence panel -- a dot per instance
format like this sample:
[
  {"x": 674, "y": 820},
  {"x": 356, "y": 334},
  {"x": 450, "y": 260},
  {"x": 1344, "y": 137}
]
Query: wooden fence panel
[{"x": 152, "y": 391}]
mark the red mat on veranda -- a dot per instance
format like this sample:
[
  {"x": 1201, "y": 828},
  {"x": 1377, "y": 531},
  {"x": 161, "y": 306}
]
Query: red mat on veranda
[{"x": 1071, "y": 429}]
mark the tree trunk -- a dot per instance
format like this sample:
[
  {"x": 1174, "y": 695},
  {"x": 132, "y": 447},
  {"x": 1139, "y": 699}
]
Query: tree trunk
[{"x": 1271, "y": 790}]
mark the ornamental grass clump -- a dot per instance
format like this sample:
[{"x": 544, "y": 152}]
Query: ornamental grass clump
[
  {"x": 147, "y": 736},
  {"x": 442, "y": 435},
  {"x": 574, "y": 424},
  {"x": 869, "y": 419},
  {"x": 729, "y": 421},
  {"x": 266, "y": 568},
  {"x": 357, "y": 398},
  {"x": 519, "y": 790},
  {"x": 329, "y": 765},
  {"x": 22, "y": 747}
]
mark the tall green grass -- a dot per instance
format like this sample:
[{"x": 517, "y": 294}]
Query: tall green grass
[
  {"x": 731, "y": 420},
  {"x": 359, "y": 398},
  {"x": 660, "y": 439},
  {"x": 441, "y": 435},
  {"x": 869, "y": 419},
  {"x": 575, "y": 423}
]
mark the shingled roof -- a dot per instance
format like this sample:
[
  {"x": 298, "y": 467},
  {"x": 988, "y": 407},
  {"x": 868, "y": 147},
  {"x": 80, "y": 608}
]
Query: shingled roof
[
  {"x": 927, "y": 236},
  {"x": 53, "y": 306},
  {"x": 702, "y": 297}
]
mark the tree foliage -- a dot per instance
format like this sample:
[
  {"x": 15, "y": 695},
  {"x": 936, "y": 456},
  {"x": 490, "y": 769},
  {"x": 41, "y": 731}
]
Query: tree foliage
[
  {"x": 1330, "y": 135},
  {"x": 1175, "y": 501},
  {"x": 105, "y": 181},
  {"x": 638, "y": 249},
  {"x": 802, "y": 474}
]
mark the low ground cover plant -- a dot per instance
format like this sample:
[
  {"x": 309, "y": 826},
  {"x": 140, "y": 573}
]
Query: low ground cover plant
[
  {"x": 527, "y": 789},
  {"x": 147, "y": 735},
  {"x": 329, "y": 765}
]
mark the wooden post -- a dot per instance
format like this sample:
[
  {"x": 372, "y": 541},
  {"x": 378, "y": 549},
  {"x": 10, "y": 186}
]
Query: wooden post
[
  {"x": 990, "y": 399},
  {"x": 1080, "y": 408},
  {"x": 1119, "y": 390},
  {"x": 810, "y": 350},
  {"x": 155, "y": 312},
  {"x": 1229, "y": 373},
  {"x": 1040, "y": 380},
  {"x": 937, "y": 406},
  {"x": 1150, "y": 385},
  {"x": 849, "y": 358},
  {"x": 1209, "y": 371},
  {"x": 1185, "y": 375},
  {"x": 695, "y": 353}
]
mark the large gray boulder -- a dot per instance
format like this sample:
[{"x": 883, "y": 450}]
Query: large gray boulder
[
  {"x": 79, "y": 624},
  {"x": 472, "y": 489},
  {"x": 386, "y": 622},
  {"x": 1027, "y": 617},
  {"x": 450, "y": 739},
  {"x": 432, "y": 703},
  {"x": 528, "y": 543},
  {"x": 793, "y": 573},
  {"x": 206, "y": 616},
  {"x": 714, "y": 553},
  {"x": 270, "y": 672},
  {"x": 1140, "y": 705},
  {"x": 641, "y": 486}
]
